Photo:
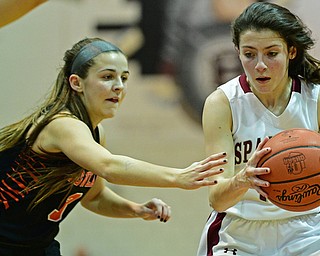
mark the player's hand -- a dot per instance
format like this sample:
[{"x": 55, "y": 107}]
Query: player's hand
[
  {"x": 154, "y": 209},
  {"x": 199, "y": 174},
  {"x": 248, "y": 177}
]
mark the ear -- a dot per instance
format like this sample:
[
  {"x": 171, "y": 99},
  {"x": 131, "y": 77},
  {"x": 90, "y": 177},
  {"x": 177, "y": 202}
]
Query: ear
[
  {"x": 74, "y": 81},
  {"x": 292, "y": 52}
]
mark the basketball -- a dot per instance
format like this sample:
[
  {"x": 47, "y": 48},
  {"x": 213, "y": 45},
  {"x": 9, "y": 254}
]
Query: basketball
[{"x": 294, "y": 162}]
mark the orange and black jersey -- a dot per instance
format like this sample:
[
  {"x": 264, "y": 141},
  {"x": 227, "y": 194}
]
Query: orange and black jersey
[{"x": 20, "y": 225}]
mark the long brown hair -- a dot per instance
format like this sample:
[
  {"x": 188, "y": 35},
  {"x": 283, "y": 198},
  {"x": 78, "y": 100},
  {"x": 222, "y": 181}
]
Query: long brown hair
[
  {"x": 62, "y": 100},
  {"x": 259, "y": 16}
]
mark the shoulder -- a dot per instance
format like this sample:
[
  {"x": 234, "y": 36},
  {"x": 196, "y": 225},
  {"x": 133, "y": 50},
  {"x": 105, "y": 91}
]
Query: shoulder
[
  {"x": 216, "y": 109},
  {"x": 62, "y": 129},
  {"x": 215, "y": 97},
  {"x": 236, "y": 87},
  {"x": 66, "y": 124}
]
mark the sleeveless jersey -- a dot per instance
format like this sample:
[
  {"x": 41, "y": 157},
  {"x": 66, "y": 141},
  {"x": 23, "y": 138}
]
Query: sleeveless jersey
[
  {"x": 21, "y": 227},
  {"x": 252, "y": 122}
]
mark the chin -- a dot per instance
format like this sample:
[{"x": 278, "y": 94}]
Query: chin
[{"x": 109, "y": 115}]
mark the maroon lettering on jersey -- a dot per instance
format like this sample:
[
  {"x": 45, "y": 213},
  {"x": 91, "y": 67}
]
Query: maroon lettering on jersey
[{"x": 244, "y": 149}]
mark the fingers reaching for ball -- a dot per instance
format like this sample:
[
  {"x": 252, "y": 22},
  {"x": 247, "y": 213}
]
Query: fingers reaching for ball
[{"x": 202, "y": 173}]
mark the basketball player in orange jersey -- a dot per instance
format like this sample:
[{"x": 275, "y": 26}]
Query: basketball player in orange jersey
[
  {"x": 55, "y": 157},
  {"x": 279, "y": 90}
]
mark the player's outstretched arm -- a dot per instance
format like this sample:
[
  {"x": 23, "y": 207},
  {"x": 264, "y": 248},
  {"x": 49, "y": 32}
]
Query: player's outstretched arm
[
  {"x": 101, "y": 200},
  {"x": 74, "y": 139}
]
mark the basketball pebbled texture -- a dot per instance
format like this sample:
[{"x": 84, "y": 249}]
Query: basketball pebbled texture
[{"x": 294, "y": 162}]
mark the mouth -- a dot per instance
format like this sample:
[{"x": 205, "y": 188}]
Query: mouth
[
  {"x": 263, "y": 79},
  {"x": 114, "y": 100}
]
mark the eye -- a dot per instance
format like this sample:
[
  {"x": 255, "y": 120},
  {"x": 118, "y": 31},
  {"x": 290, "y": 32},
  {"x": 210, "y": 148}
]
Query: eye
[
  {"x": 108, "y": 77},
  {"x": 124, "y": 78},
  {"x": 272, "y": 54},
  {"x": 249, "y": 55}
]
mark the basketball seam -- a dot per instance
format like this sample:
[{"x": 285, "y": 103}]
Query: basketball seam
[
  {"x": 260, "y": 164},
  {"x": 288, "y": 181}
]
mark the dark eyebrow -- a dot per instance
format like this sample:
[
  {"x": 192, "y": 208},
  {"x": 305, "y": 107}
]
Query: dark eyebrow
[
  {"x": 271, "y": 46},
  {"x": 112, "y": 70}
]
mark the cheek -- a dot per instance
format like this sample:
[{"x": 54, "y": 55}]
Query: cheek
[
  {"x": 248, "y": 66},
  {"x": 123, "y": 95},
  {"x": 278, "y": 66},
  {"x": 104, "y": 89}
]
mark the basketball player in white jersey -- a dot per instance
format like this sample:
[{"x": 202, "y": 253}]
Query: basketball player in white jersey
[{"x": 279, "y": 90}]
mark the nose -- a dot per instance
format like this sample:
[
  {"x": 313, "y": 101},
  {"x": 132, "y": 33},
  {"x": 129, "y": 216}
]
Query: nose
[
  {"x": 118, "y": 86},
  {"x": 261, "y": 65}
]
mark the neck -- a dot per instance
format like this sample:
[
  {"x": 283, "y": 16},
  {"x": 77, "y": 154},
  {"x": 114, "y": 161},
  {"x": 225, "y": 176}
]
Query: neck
[{"x": 277, "y": 100}]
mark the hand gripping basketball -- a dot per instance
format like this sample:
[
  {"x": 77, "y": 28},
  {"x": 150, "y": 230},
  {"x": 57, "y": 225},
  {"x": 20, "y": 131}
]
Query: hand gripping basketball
[{"x": 294, "y": 162}]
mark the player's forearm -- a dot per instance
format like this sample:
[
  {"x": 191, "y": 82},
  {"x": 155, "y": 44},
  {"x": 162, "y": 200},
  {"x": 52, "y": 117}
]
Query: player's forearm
[
  {"x": 120, "y": 208},
  {"x": 128, "y": 171},
  {"x": 110, "y": 204}
]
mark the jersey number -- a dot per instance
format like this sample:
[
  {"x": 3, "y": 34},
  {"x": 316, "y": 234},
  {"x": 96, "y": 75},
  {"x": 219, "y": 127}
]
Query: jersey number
[{"x": 56, "y": 215}]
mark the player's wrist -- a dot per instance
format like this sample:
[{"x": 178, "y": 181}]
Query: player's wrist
[{"x": 240, "y": 181}]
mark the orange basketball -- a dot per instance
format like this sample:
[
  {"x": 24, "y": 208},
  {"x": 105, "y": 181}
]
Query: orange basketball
[{"x": 294, "y": 162}]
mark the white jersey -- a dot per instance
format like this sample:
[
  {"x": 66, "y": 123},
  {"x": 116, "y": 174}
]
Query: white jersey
[
  {"x": 252, "y": 122},
  {"x": 253, "y": 226}
]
